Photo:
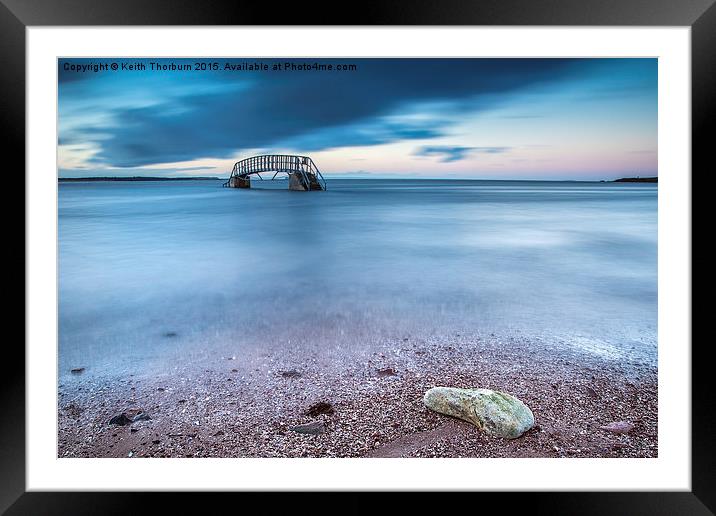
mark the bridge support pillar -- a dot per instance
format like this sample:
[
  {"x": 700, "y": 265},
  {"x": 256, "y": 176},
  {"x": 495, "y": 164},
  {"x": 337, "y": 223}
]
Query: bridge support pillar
[
  {"x": 294, "y": 183},
  {"x": 238, "y": 182}
]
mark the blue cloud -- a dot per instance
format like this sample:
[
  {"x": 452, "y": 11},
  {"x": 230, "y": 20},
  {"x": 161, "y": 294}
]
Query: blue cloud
[{"x": 449, "y": 153}]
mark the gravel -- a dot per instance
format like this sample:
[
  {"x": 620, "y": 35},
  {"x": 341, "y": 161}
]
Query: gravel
[{"x": 247, "y": 406}]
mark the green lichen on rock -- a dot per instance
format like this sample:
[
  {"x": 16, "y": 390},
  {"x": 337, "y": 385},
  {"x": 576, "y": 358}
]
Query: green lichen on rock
[{"x": 494, "y": 412}]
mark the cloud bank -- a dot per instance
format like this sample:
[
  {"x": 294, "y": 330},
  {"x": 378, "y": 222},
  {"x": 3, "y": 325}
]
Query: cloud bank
[{"x": 217, "y": 114}]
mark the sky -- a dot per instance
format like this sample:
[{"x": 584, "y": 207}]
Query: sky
[{"x": 552, "y": 119}]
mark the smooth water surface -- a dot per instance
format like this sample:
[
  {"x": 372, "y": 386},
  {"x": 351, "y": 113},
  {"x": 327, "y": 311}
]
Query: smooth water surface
[{"x": 141, "y": 261}]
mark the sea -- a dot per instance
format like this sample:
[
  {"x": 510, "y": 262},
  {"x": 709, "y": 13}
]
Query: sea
[{"x": 151, "y": 272}]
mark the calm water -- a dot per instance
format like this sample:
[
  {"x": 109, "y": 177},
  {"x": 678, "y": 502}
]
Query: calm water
[{"x": 567, "y": 262}]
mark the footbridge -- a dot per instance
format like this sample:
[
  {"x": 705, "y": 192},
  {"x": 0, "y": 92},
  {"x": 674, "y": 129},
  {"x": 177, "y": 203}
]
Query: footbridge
[{"x": 303, "y": 174}]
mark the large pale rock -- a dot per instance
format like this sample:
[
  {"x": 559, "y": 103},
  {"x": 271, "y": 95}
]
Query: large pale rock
[{"x": 494, "y": 412}]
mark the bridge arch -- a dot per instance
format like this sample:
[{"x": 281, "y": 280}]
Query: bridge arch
[{"x": 303, "y": 174}]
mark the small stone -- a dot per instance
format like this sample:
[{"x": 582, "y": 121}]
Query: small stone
[
  {"x": 319, "y": 408},
  {"x": 129, "y": 416},
  {"x": 313, "y": 428},
  {"x": 291, "y": 373},
  {"x": 77, "y": 370},
  {"x": 494, "y": 412},
  {"x": 170, "y": 334},
  {"x": 387, "y": 371},
  {"x": 120, "y": 420},
  {"x": 618, "y": 427}
]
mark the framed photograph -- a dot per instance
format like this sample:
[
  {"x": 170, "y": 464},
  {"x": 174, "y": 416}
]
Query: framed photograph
[{"x": 439, "y": 249}]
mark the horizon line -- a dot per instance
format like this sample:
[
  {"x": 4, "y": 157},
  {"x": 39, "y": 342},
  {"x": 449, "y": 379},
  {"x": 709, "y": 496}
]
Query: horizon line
[{"x": 342, "y": 176}]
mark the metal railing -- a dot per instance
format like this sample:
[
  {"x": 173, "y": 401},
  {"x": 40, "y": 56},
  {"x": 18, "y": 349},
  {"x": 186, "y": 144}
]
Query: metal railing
[{"x": 290, "y": 164}]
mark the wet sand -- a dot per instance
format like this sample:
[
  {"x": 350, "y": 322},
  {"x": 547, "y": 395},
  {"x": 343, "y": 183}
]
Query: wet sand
[{"x": 226, "y": 405}]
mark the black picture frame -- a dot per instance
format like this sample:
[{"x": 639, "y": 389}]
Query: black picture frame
[{"x": 16, "y": 15}]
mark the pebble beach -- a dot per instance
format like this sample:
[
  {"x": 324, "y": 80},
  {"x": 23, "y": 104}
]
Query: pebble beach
[{"x": 368, "y": 403}]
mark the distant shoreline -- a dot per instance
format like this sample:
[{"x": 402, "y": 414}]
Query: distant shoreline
[
  {"x": 136, "y": 178},
  {"x": 637, "y": 180}
]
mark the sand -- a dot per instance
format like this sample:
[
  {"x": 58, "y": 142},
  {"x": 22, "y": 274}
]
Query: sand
[{"x": 246, "y": 405}]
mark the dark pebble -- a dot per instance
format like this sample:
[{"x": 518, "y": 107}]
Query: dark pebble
[
  {"x": 319, "y": 408},
  {"x": 131, "y": 416},
  {"x": 120, "y": 420}
]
